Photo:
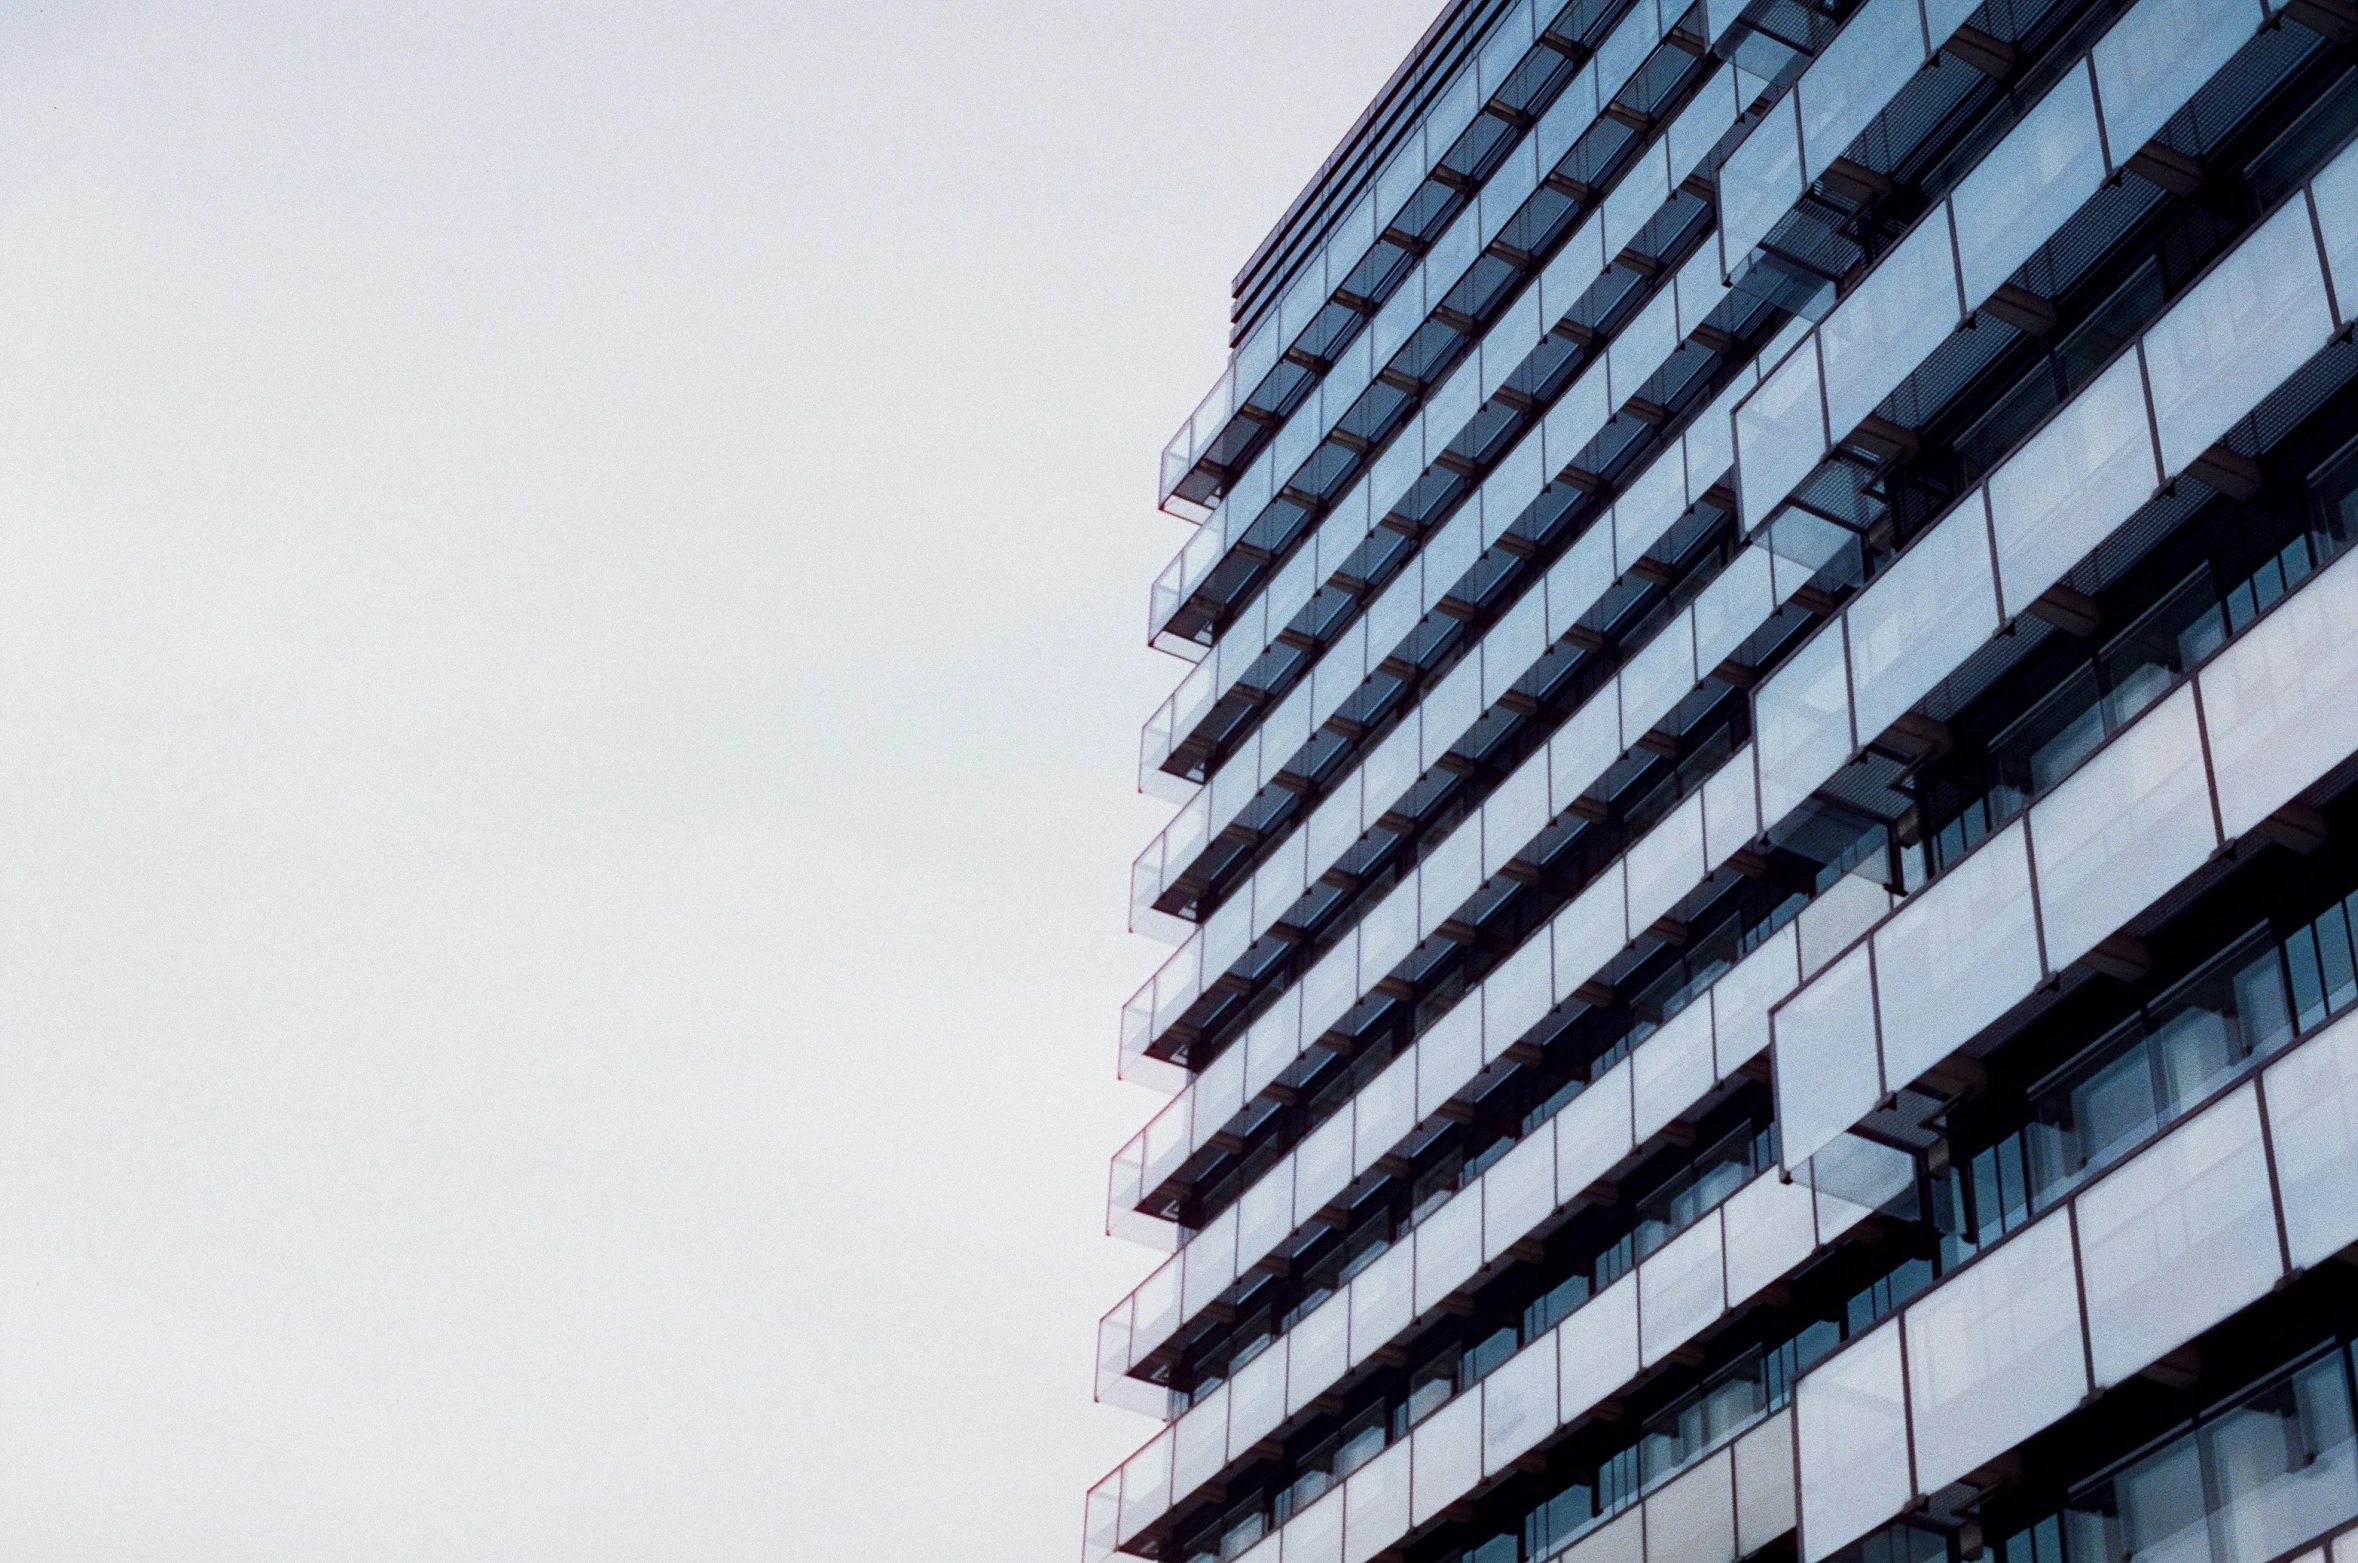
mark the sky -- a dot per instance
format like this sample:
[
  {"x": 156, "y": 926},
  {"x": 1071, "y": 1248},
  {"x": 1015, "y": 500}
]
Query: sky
[{"x": 572, "y": 585}]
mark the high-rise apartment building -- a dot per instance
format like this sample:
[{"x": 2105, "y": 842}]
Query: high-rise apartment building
[{"x": 1764, "y": 891}]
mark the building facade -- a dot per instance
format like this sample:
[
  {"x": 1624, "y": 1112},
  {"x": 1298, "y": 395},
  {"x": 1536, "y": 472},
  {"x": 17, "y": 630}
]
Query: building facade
[{"x": 1766, "y": 874}]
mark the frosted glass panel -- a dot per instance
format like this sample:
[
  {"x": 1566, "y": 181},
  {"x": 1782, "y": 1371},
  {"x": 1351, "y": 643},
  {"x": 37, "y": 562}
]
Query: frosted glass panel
[
  {"x": 1448, "y": 1055},
  {"x": 2281, "y": 704},
  {"x": 1383, "y": 1113},
  {"x": 1680, "y": 1290},
  {"x": 2028, "y": 185},
  {"x": 1803, "y": 735},
  {"x": 2122, "y": 830},
  {"x": 1317, "y": 1352},
  {"x": 2336, "y": 191},
  {"x": 1853, "y": 1443},
  {"x": 1519, "y": 1403},
  {"x": 1591, "y": 931},
  {"x": 1780, "y": 432},
  {"x": 1598, "y": 1348},
  {"x": 1592, "y": 1133},
  {"x": 1146, "y": 1484},
  {"x": 1928, "y": 613},
  {"x": 1380, "y": 1298},
  {"x": 2078, "y": 478},
  {"x": 1519, "y": 1192},
  {"x": 1694, "y": 1518},
  {"x": 1740, "y": 1001},
  {"x": 1761, "y": 180},
  {"x": 1956, "y": 956},
  {"x": 1256, "y": 1402},
  {"x": 1375, "y": 1505},
  {"x": 1672, "y": 1069},
  {"x": 2254, "y": 320},
  {"x": 1769, "y": 1232},
  {"x": 1316, "y": 1534},
  {"x": 1666, "y": 863},
  {"x": 1877, "y": 53},
  {"x": 2313, "y": 1125},
  {"x": 1994, "y": 1353},
  {"x": 1827, "y": 1074},
  {"x": 1448, "y": 1249},
  {"x": 2195, "y": 1205},
  {"x": 1904, "y": 309},
  {"x": 1764, "y": 1484},
  {"x": 1447, "y": 1459},
  {"x": 1203, "y": 1443},
  {"x": 1517, "y": 994},
  {"x": 2156, "y": 56}
]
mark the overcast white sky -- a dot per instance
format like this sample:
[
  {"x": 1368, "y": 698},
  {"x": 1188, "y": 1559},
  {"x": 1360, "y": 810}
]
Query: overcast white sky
[{"x": 571, "y": 583}]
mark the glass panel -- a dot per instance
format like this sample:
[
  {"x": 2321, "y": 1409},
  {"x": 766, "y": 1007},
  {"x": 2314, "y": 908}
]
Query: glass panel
[
  {"x": 1599, "y": 1349},
  {"x": 1519, "y": 1192},
  {"x": 1657, "y": 677},
  {"x": 2313, "y": 1119},
  {"x": 1515, "y": 814},
  {"x": 1581, "y": 750},
  {"x": 1827, "y": 1074},
  {"x": 1924, "y": 617},
  {"x": 2283, "y": 1465},
  {"x": 1383, "y": 1113},
  {"x": 1380, "y": 1302},
  {"x": 1666, "y": 863},
  {"x": 1315, "y": 1535},
  {"x": 1732, "y": 607},
  {"x": 1764, "y": 1486},
  {"x": 1317, "y": 1353},
  {"x": 1592, "y": 1133},
  {"x": 1208, "y": 1263},
  {"x": 1146, "y": 1485},
  {"x": 1446, "y": 1462},
  {"x": 1994, "y": 1354},
  {"x": 2155, "y": 57},
  {"x": 1322, "y": 1166},
  {"x": 1265, "y": 1213},
  {"x": 1740, "y": 1001},
  {"x": 1804, "y": 735},
  {"x": 1448, "y": 1055},
  {"x": 2196, "y": 1204},
  {"x": 1879, "y": 51},
  {"x": 1588, "y": 934},
  {"x": 1760, "y": 182},
  {"x": 1781, "y": 430},
  {"x": 2078, "y": 478},
  {"x": 1671, "y": 1069},
  {"x": 1853, "y": 1443},
  {"x": 1516, "y": 995},
  {"x": 1895, "y": 319},
  {"x": 2281, "y": 704},
  {"x": 2233, "y": 339},
  {"x": 1203, "y": 1443},
  {"x": 1448, "y": 1249},
  {"x": 1519, "y": 1404},
  {"x": 1769, "y": 1232},
  {"x": 1680, "y": 1290},
  {"x": 1956, "y": 956},
  {"x": 2127, "y": 827},
  {"x": 2336, "y": 191},
  {"x": 1375, "y": 1505},
  {"x": 1694, "y": 1518},
  {"x": 2028, "y": 185}
]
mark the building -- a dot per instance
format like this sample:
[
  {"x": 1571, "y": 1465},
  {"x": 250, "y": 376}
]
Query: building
[{"x": 1764, "y": 885}]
